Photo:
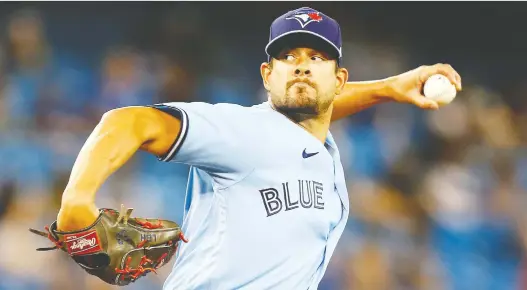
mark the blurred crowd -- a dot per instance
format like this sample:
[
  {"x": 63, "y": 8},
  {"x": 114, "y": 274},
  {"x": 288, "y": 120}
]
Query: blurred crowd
[{"x": 436, "y": 197}]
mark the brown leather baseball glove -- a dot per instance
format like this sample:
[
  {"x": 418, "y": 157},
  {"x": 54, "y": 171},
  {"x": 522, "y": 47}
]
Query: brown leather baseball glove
[{"x": 116, "y": 248}]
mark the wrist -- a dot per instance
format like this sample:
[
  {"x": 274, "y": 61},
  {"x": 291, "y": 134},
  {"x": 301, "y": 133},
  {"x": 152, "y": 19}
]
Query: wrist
[
  {"x": 386, "y": 89},
  {"x": 76, "y": 214},
  {"x": 76, "y": 200}
]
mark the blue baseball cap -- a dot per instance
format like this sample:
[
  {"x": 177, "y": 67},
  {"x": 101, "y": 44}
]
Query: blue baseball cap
[{"x": 308, "y": 27}]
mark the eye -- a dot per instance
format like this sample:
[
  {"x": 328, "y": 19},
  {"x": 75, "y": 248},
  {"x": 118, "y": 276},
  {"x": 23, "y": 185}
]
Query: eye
[
  {"x": 289, "y": 57},
  {"x": 317, "y": 58}
]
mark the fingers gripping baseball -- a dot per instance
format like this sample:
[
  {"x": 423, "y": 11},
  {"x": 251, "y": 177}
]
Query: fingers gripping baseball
[
  {"x": 441, "y": 68},
  {"x": 416, "y": 98},
  {"x": 409, "y": 87}
]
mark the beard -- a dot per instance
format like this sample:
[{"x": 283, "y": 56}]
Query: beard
[{"x": 301, "y": 101}]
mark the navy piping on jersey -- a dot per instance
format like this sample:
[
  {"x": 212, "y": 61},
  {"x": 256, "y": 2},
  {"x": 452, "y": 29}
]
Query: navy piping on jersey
[{"x": 178, "y": 142}]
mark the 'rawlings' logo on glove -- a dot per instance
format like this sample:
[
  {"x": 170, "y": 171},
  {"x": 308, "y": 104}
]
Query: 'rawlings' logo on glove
[
  {"x": 83, "y": 243},
  {"x": 124, "y": 248}
]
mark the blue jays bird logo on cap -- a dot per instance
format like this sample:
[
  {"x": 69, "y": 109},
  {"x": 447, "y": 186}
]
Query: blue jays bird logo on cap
[
  {"x": 304, "y": 18},
  {"x": 325, "y": 30}
]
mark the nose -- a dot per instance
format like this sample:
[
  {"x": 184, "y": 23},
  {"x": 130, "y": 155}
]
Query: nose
[{"x": 302, "y": 71}]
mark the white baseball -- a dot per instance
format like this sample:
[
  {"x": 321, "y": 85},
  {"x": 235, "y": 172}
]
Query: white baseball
[{"x": 439, "y": 88}]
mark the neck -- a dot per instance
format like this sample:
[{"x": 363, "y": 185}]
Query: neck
[{"x": 317, "y": 126}]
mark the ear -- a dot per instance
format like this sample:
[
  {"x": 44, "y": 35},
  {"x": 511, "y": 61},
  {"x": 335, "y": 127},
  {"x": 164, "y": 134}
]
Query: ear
[
  {"x": 341, "y": 80},
  {"x": 265, "y": 71}
]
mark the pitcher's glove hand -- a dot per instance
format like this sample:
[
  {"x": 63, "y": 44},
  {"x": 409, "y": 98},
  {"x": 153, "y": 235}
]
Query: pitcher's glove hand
[{"x": 116, "y": 248}]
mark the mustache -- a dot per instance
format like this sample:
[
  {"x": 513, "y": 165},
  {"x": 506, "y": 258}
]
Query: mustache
[{"x": 306, "y": 81}]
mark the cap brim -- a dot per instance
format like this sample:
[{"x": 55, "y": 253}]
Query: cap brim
[{"x": 298, "y": 38}]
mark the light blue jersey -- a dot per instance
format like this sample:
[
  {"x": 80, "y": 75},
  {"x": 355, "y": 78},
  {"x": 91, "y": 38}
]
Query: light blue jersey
[{"x": 266, "y": 201}]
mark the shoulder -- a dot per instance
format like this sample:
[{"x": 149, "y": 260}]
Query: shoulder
[
  {"x": 227, "y": 110},
  {"x": 219, "y": 107}
]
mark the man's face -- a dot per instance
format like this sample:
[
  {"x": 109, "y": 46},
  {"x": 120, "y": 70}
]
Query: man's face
[{"x": 303, "y": 81}]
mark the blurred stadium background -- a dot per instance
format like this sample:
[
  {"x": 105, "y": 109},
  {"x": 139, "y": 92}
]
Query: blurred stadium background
[{"x": 437, "y": 197}]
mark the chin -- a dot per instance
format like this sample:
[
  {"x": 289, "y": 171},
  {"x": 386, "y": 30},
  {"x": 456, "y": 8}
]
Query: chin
[
  {"x": 295, "y": 109},
  {"x": 299, "y": 104},
  {"x": 304, "y": 100}
]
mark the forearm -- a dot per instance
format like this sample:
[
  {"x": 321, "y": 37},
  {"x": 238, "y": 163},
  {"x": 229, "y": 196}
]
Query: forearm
[
  {"x": 116, "y": 138},
  {"x": 108, "y": 148},
  {"x": 358, "y": 96}
]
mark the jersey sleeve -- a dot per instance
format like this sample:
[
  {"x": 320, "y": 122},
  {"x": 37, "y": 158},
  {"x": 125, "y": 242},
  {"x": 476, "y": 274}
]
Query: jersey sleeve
[{"x": 213, "y": 137}]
